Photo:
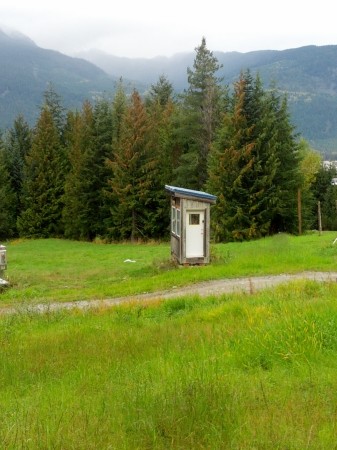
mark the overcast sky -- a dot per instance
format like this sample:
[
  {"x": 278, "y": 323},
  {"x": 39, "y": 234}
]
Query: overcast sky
[{"x": 148, "y": 28}]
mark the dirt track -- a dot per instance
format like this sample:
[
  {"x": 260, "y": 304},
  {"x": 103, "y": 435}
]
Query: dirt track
[{"x": 215, "y": 287}]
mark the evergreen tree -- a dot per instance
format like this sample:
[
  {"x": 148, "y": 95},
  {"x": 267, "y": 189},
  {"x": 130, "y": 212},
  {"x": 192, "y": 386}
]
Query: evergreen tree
[
  {"x": 160, "y": 93},
  {"x": 323, "y": 181},
  {"x": 79, "y": 213},
  {"x": 7, "y": 199},
  {"x": 119, "y": 108},
  {"x": 309, "y": 167},
  {"x": 53, "y": 102},
  {"x": 130, "y": 181},
  {"x": 161, "y": 108},
  {"x": 102, "y": 147},
  {"x": 202, "y": 103},
  {"x": 324, "y": 191},
  {"x": 260, "y": 180},
  {"x": 17, "y": 146},
  {"x": 329, "y": 209},
  {"x": 288, "y": 176},
  {"x": 230, "y": 161},
  {"x": 43, "y": 182},
  {"x": 254, "y": 146}
]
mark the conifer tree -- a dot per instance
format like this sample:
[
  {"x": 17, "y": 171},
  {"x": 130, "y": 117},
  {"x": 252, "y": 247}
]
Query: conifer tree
[
  {"x": 288, "y": 176},
  {"x": 7, "y": 199},
  {"x": 131, "y": 167},
  {"x": 247, "y": 164},
  {"x": 17, "y": 145},
  {"x": 310, "y": 162},
  {"x": 160, "y": 93},
  {"x": 43, "y": 182},
  {"x": 230, "y": 161},
  {"x": 329, "y": 209},
  {"x": 79, "y": 213},
  {"x": 324, "y": 192},
  {"x": 53, "y": 102},
  {"x": 119, "y": 108},
  {"x": 263, "y": 190},
  {"x": 160, "y": 108},
  {"x": 102, "y": 147},
  {"x": 201, "y": 104}
]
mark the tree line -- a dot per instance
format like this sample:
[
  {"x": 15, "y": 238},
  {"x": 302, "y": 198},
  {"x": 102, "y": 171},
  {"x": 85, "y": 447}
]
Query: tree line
[{"x": 101, "y": 171}]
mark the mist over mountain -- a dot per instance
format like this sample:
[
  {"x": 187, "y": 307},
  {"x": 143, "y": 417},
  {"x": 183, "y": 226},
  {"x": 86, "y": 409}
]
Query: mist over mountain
[
  {"x": 26, "y": 70},
  {"x": 307, "y": 75}
]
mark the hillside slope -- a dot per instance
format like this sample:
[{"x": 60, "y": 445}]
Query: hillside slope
[
  {"x": 26, "y": 70},
  {"x": 308, "y": 75}
]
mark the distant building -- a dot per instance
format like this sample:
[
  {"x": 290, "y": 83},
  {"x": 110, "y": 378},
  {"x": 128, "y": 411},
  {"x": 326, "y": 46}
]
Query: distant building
[{"x": 330, "y": 164}]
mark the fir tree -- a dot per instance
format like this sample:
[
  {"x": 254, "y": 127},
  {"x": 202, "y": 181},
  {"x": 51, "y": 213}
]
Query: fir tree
[
  {"x": 130, "y": 181},
  {"x": 53, "y": 102},
  {"x": 249, "y": 164},
  {"x": 324, "y": 191},
  {"x": 160, "y": 108},
  {"x": 80, "y": 208},
  {"x": 230, "y": 161},
  {"x": 288, "y": 176},
  {"x": 160, "y": 93},
  {"x": 17, "y": 146},
  {"x": 309, "y": 168},
  {"x": 102, "y": 147},
  {"x": 7, "y": 199},
  {"x": 329, "y": 209},
  {"x": 43, "y": 182},
  {"x": 201, "y": 117}
]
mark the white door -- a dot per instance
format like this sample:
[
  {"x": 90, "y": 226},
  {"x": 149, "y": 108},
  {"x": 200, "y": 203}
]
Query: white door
[{"x": 195, "y": 230}]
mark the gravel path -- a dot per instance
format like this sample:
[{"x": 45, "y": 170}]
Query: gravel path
[{"x": 204, "y": 289}]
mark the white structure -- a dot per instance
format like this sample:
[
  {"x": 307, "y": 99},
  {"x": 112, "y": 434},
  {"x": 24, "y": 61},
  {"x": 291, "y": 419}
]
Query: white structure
[
  {"x": 3, "y": 258},
  {"x": 3, "y": 265},
  {"x": 190, "y": 225}
]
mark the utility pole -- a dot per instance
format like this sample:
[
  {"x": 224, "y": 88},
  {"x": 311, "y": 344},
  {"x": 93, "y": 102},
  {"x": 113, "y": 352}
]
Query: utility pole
[{"x": 319, "y": 218}]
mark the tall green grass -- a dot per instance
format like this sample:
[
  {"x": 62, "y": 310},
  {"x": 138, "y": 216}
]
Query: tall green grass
[
  {"x": 232, "y": 372},
  {"x": 59, "y": 270}
]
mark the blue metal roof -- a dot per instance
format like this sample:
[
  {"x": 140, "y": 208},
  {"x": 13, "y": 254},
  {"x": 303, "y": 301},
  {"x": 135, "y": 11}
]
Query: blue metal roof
[{"x": 182, "y": 192}]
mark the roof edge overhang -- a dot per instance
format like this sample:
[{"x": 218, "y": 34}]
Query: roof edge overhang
[{"x": 190, "y": 194}]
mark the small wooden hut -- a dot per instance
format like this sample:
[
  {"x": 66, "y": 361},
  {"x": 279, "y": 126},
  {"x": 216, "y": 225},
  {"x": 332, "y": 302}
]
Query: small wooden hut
[{"x": 190, "y": 225}]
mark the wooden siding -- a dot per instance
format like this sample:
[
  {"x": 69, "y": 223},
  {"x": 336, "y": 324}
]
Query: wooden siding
[{"x": 178, "y": 243}]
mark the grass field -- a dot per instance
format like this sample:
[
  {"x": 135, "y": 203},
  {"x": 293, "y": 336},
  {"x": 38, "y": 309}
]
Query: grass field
[
  {"x": 237, "y": 372},
  {"x": 59, "y": 270}
]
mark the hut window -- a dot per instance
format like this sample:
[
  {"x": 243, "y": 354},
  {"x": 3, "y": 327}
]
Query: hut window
[
  {"x": 175, "y": 221},
  {"x": 194, "y": 219},
  {"x": 178, "y": 223}
]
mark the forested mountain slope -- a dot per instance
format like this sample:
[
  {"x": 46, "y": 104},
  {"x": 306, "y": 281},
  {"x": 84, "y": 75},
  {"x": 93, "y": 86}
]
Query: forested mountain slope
[
  {"x": 26, "y": 70},
  {"x": 307, "y": 74}
]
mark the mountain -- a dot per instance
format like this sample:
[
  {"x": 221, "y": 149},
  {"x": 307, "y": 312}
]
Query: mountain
[
  {"x": 308, "y": 75},
  {"x": 26, "y": 70}
]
